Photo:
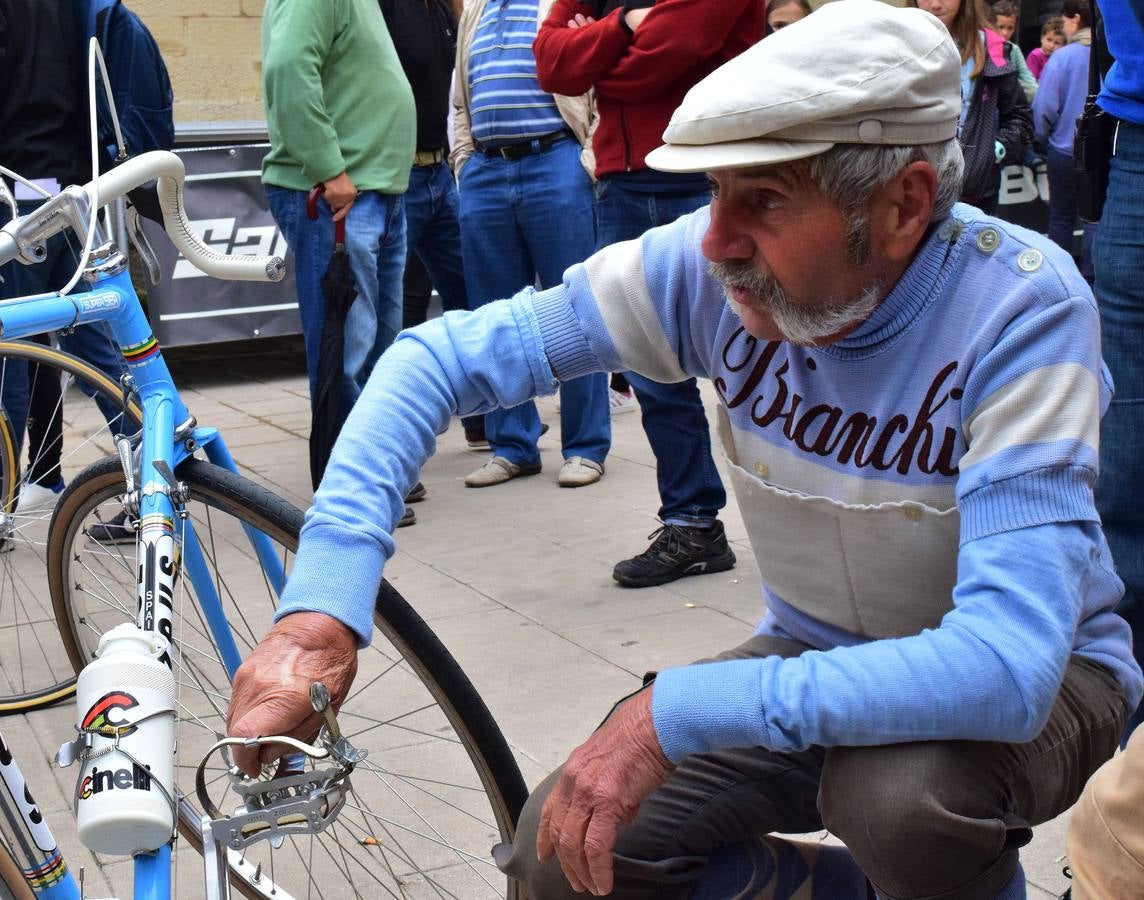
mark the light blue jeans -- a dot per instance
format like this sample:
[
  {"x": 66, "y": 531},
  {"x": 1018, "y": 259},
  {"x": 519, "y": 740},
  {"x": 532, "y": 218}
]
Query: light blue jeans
[
  {"x": 524, "y": 221},
  {"x": 375, "y": 239}
]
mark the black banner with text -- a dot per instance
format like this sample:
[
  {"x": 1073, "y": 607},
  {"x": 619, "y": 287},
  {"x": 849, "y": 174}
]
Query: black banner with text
[{"x": 227, "y": 207}]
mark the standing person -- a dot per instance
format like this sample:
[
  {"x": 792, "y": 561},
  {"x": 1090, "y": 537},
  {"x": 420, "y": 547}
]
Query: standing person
[
  {"x": 523, "y": 164},
  {"x": 1052, "y": 38},
  {"x": 1118, "y": 264},
  {"x": 424, "y": 33},
  {"x": 1002, "y": 17},
  {"x": 340, "y": 114},
  {"x": 910, "y": 417},
  {"x": 996, "y": 124},
  {"x": 1059, "y": 103},
  {"x": 781, "y": 13},
  {"x": 44, "y": 132},
  {"x": 641, "y": 60}
]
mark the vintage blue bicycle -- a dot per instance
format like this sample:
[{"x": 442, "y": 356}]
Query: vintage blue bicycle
[{"x": 187, "y": 591}]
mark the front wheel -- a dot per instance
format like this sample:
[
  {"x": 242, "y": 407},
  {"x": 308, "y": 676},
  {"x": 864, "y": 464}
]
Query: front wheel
[{"x": 440, "y": 786}]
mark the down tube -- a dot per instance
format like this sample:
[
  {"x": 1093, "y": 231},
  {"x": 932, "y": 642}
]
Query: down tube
[
  {"x": 28, "y": 837},
  {"x": 198, "y": 569},
  {"x": 219, "y": 454},
  {"x": 153, "y": 875}
]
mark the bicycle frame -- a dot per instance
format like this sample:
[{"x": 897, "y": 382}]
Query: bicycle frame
[{"x": 169, "y": 435}]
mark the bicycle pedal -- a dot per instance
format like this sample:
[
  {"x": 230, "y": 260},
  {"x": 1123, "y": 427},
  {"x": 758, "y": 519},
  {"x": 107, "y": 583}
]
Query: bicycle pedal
[
  {"x": 294, "y": 801},
  {"x": 273, "y": 810}
]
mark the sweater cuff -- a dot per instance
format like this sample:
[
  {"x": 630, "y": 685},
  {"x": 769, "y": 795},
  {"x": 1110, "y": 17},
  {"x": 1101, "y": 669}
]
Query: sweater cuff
[
  {"x": 565, "y": 344},
  {"x": 1044, "y": 497},
  {"x": 708, "y": 706},
  {"x": 348, "y": 593}
]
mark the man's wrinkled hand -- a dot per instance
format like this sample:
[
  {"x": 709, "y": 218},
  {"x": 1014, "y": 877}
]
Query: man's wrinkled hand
[
  {"x": 271, "y": 692},
  {"x": 340, "y": 192},
  {"x": 600, "y": 790}
]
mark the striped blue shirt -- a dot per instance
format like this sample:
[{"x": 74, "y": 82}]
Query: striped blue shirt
[{"x": 507, "y": 103}]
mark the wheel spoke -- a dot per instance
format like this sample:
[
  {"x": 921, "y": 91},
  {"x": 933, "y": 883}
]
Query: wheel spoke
[{"x": 420, "y": 819}]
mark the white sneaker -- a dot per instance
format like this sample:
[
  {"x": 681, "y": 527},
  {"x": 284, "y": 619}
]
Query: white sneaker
[
  {"x": 621, "y": 401},
  {"x": 35, "y": 497}
]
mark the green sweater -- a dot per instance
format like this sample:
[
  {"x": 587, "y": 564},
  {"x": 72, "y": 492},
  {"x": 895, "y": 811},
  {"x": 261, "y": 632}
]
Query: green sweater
[{"x": 336, "y": 97}]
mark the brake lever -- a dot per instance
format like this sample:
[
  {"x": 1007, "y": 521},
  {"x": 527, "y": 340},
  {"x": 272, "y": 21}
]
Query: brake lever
[{"x": 142, "y": 245}]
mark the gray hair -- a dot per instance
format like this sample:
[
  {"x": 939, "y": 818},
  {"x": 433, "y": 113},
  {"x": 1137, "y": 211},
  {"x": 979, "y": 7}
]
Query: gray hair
[{"x": 850, "y": 174}]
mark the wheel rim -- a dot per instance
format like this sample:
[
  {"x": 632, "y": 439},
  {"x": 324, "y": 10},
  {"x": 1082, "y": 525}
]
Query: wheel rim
[
  {"x": 34, "y": 671},
  {"x": 420, "y": 822}
]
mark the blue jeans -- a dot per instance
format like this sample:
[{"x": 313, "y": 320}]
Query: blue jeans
[
  {"x": 1118, "y": 257},
  {"x": 1062, "y": 209},
  {"x": 433, "y": 231},
  {"x": 89, "y": 342},
  {"x": 375, "y": 239},
  {"x": 525, "y": 221},
  {"x": 690, "y": 490}
]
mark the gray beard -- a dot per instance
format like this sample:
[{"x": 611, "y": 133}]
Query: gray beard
[{"x": 798, "y": 324}]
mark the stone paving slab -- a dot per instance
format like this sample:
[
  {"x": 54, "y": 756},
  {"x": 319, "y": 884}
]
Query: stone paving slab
[{"x": 515, "y": 579}]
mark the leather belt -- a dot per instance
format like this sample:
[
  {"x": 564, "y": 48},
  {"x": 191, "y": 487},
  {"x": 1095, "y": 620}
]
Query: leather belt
[
  {"x": 525, "y": 148},
  {"x": 428, "y": 157}
]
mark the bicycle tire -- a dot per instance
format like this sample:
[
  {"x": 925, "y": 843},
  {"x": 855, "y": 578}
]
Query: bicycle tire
[
  {"x": 404, "y": 648},
  {"x": 34, "y": 673}
]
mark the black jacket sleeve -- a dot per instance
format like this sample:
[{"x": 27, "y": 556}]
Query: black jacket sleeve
[{"x": 1015, "y": 118}]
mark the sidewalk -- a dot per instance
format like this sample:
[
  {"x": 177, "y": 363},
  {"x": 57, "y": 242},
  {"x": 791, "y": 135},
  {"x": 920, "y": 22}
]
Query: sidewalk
[{"x": 516, "y": 580}]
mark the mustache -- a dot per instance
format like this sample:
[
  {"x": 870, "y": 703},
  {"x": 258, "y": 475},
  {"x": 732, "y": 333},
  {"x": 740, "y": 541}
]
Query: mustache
[
  {"x": 800, "y": 324},
  {"x": 744, "y": 276}
]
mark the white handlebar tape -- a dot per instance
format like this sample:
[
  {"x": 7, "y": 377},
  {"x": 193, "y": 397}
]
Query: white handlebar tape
[{"x": 169, "y": 170}]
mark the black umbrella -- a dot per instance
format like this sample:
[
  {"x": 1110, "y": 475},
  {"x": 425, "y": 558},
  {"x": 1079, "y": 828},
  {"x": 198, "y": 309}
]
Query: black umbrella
[{"x": 326, "y": 404}]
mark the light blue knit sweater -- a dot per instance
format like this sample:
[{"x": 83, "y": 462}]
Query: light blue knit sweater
[{"x": 974, "y": 390}]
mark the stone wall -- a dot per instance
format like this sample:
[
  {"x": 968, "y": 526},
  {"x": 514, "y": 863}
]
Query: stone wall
[{"x": 212, "y": 52}]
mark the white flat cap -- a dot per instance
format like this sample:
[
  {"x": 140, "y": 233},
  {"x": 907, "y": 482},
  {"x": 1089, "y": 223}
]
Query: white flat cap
[{"x": 853, "y": 72}]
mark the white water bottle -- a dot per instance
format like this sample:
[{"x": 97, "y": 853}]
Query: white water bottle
[{"x": 120, "y": 807}]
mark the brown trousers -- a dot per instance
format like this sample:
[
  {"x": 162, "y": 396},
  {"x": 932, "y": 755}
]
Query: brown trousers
[{"x": 939, "y": 820}]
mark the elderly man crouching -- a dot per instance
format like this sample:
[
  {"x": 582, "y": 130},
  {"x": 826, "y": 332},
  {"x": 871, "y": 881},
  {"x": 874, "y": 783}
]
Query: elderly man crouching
[{"x": 911, "y": 395}]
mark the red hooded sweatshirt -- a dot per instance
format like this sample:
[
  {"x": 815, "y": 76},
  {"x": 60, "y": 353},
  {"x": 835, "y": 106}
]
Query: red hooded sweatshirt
[{"x": 641, "y": 77}]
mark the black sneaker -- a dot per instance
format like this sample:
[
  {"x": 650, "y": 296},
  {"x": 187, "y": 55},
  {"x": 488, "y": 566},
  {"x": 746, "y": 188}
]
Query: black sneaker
[
  {"x": 117, "y": 530},
  {"x": 416, "y": 493},
  {"x": 409, "y": 517},
  {"x": 675, "y": 551}
]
